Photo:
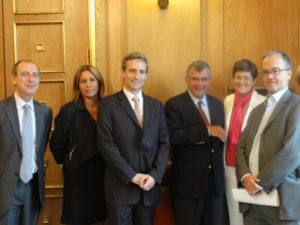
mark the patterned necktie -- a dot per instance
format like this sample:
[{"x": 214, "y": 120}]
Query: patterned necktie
[
  {"x": 137, "y": 111},
  {"x": 27, "y": 165},
  {"x": 202, "y": 113}
]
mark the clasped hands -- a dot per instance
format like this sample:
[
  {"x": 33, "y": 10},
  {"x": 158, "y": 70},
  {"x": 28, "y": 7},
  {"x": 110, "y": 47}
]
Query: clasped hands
[
  {"x": 144, "y": 181},
  {"x": 251, "y": 186}
]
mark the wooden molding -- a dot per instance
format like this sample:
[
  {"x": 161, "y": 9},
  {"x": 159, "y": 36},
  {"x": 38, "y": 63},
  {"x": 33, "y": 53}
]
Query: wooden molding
[{"x": 163, "y": 4}]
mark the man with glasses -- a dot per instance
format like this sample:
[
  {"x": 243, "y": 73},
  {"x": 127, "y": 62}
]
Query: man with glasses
[
  {"x": 268, "y": 157},
  {"x": 196, "y": 122}
]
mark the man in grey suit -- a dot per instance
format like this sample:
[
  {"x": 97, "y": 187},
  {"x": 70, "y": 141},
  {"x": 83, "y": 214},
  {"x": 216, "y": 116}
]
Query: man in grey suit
[
  {"x": 268, "y": 155},
  {"x": 133, "y": 139},
  {"x": 24, "y": 131}
]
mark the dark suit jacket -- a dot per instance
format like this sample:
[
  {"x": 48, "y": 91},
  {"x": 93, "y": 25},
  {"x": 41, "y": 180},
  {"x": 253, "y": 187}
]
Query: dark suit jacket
[
  {"x": 279, "y": 154},
  {"x": 195, "y": 153},
  {"x": 128, "y": 149},
  {"x": 11, "y": 148}
]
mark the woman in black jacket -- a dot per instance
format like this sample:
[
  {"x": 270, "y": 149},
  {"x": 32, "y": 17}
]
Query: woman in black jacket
[{"x": 73, "y": 144}]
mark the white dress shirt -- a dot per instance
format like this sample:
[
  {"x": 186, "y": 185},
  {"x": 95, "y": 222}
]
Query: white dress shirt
[
  {"x": 203, "y": 104},
  {"x": 254, "y": 154}
]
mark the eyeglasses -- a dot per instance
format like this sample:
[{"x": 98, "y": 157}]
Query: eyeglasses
[{"x": 274, "y": 71}]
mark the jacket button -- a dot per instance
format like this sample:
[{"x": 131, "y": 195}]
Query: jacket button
[
  {"x": 16, "y": 174},
  {"x": 209, "y": 166},
  {"x": 212, "y": 151}
]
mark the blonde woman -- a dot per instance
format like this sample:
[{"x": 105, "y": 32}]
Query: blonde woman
[{"x": 73, "y": 143}]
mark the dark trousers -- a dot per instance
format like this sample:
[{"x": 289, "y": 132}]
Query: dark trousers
[
  {"x": 206, "y": 210},
  {"x": 25, "y": 207},
  {"x": 265, "y": 215},
  {"x": 125, "y": 214}
]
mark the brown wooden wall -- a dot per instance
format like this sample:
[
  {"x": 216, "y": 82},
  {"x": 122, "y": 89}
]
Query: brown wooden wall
[{"x": 218, "y": 31}]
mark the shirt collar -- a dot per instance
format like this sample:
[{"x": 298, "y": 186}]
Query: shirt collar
[
  {"x": 129, "y": 95},
  {"x": 278, "y": 94},
  {"x": 20, "y": 102},
  {"x": 196, "y": 100}
]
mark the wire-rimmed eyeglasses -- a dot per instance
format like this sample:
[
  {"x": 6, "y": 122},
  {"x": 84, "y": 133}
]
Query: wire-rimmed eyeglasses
[{"x": 274, "y": 71}]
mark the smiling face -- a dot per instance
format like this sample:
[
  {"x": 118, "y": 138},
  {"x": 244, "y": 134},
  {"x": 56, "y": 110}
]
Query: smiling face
[
  {"x": 243, "y": 82},
  {"x": 134, "y": 75},
  {"x": 88, "y": 85},
  {"x": 198, "y": 82},
  {"x": 27, "y": 80},
  {"x": 275, "y": 82}
]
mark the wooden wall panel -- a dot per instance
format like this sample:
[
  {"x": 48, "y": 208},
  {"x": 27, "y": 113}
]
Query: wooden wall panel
[
  {"x": 217, "y": 31},
  {"x": 45, "y": 93},
  {"x": 212, "y": 43},
  {"x": 38, "y": 6},
  {"x": 169, "y": 38},
  {"x": 254, "y": 27},
  {"x": 46, "y": 49},
  {"x": 49, "y": 214}
]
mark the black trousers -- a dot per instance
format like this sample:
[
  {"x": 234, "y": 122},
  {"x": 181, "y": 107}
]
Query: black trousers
[
  {"x": 125, "y": 214},
  {"x": 206, "y": 210}
]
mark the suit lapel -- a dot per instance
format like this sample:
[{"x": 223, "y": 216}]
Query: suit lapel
[
  {"x": 12, "y": 115},
  {"x": 258, "y": 116},
  {"x": 279, "y": 107},
  {"x": 191, "y": 108},
  {"x": 211, "y": 111},
  {"x": 125, "y": 104},
  {"x": 38, "y": 124}
]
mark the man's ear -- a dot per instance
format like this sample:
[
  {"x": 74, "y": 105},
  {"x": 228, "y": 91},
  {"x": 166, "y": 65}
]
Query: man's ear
[{"x": 13, "y": 79}]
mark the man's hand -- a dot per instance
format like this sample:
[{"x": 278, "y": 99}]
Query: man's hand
[
  {"x": 147, "y": 183},
  {"x": 139, "y": 178},
  {"x": 250, "y": 184},
  {"x": 217, "y": 131}
]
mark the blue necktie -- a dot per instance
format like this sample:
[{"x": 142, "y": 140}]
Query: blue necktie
[{"x": 27, "y": 165}]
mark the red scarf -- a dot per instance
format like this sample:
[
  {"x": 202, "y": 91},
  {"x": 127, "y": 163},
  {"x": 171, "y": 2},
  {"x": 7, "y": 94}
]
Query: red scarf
[{"x": 235, "y": 126}]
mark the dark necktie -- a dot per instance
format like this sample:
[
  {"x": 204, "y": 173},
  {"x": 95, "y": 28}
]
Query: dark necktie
[{"x": 202, "y": 113}]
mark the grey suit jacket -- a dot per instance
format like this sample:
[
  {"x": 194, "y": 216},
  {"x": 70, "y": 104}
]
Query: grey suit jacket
[
  {"x": 279, "y": 153},
  {"x": 11, "y": 148},
  {"x": 128, "y": 149}
]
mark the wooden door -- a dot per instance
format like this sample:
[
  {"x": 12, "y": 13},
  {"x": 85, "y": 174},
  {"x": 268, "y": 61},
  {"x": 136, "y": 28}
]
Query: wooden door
[{"x": 55, "y": 35}]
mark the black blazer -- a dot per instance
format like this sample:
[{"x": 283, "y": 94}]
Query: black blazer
[
  {"x": 73, "y": 142},
  {"x": 195, "y": 153},
  {"x": 128, "y": 149},
  {"x": 11, "y": 148}
]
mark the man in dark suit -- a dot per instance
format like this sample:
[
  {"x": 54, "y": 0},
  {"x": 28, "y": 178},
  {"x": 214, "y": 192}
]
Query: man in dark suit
[
  {"x": 268, "y": 157},
  {"x": 24, "y": 131},
  {"x": 196, "y": 122},
  {"x": 133, "y": 139}
]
